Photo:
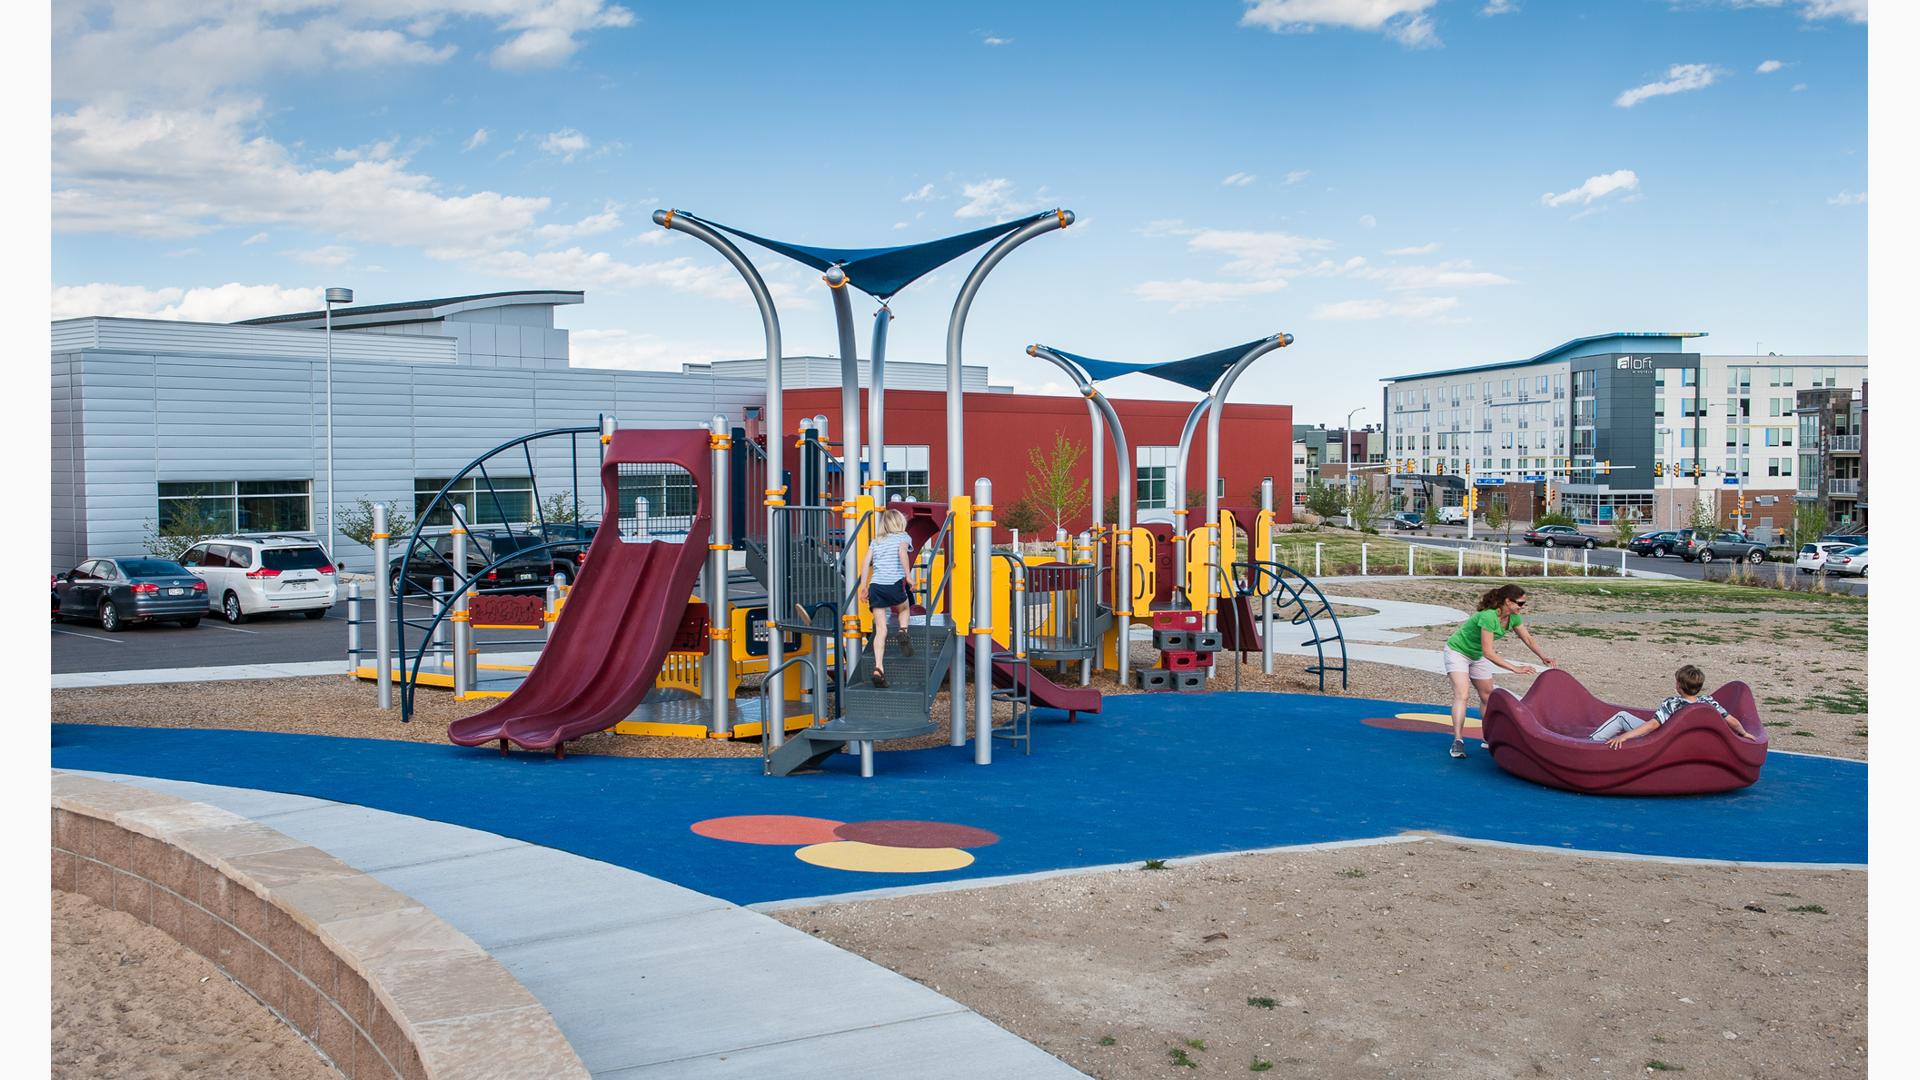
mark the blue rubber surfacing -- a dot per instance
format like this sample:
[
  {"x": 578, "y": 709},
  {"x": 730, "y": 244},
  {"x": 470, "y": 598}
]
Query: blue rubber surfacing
[{"x": 1153, "y": 776}]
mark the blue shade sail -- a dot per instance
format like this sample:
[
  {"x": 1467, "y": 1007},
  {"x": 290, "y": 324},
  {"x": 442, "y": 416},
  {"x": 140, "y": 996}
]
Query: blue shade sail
[
  {"x": 882, "y": 272},
  {"x": 1199, "y": 372}
]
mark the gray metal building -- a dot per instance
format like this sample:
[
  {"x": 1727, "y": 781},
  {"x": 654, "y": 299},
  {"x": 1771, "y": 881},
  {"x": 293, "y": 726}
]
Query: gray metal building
[{"x": 150, "y": 416}]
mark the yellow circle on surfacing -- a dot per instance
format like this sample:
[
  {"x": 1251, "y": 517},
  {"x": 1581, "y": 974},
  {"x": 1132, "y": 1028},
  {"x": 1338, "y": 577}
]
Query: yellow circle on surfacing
[
  {"x": 1431, "y": 717},
  {"x": 881, "y": 859}
]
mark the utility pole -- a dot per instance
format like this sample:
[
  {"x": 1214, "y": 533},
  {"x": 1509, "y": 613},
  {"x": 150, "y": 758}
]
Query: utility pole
[{"x": 1346, "y": 436}]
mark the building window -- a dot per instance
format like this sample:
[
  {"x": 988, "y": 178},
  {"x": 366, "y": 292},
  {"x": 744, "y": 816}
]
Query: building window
[
  {"x": 1686, "y": 437},
  {"x": 496, "y": 500},
  {"x": 907, "y": 471},
  {"x": 1153, "y": 476},
  {"x": 1506, "y": 387},
  {"x": 237, "y": 506},
  {"x": 1543, "y": 384},
  {"x": 1689, "y": 376}
]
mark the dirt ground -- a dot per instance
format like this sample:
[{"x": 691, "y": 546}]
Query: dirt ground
[
  {"x": 1423, "y": 959},
  {"x": 129, "y": 1001}
]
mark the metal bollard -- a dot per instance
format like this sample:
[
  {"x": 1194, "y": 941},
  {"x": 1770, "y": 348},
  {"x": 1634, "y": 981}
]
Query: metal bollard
[
  {"x": 982, "y": 622},
  {"x": 1623, "y": 562},
  {"x": 442, "y": 655},
  {"x": 1363, "y": 558},
  {"x": 1546, "y": 561},
  {"x": 1583, "y": 561},
  {"x": 1460, "y": 562},
  {"x": 1316, "y": 558},
  {"x": 353, "y": 628},
  {"x": 1503, "y": 562},
  {"x": 385, "y": 605},
  {"x": 552, "y": 609},
  {"x": 462, "y": 609},
  {"x": 1409, "y": 560}
]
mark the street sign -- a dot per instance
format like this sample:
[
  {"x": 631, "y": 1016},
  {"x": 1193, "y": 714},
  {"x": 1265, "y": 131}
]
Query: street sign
[
  {"x": 1487, "y": 481},
  {"x": 1536, "y": 478},
  {"x": 1730, "y": 481}
]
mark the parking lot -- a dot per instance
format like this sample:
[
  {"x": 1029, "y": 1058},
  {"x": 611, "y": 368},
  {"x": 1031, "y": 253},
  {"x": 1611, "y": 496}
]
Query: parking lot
[
  {"x": 1456, "y": 535},
  {"x": 264, "y": 639}
]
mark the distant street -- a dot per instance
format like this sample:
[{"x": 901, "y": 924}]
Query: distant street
[{"x": 1455, "y": 536}]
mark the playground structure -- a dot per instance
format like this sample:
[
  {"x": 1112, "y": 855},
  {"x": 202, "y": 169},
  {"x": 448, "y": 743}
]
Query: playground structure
[{"x": 645, "y": 642}]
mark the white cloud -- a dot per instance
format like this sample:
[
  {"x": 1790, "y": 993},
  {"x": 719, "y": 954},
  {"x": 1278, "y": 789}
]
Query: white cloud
[
  {"x": 640, "y": 352},
  {"x": 898, "y": 225},
  {"x": 223, "y": 303},
  {"x": 995, "y": 42},
  {"x": 924, "y": 193},
  {"x": 1768, "y": 67},
  {"x": 566, "y": 143},
  {"x": 1403, "y": 20},
  {"x": 1256, "y": 254},
  {"x": 1423, "y": 249},
  {"x": 477, "y": 140},
  {"x": 1500, "y": 7},
  {"x": 331, "y": 256},
  {"x": 1368, "y": 221},
  {"x": 1191, "y": 292},
  {"x": 1797, "y": 87},
  {"x": 577, "y": 268},
  {"x": 1847, "y": 198},
  {"x": 1812, "y": 10},
  {"x": 605, "y": 221},
  {"x": 186, "y": 53},
  {"x": 1238, "y": 179},
  {"x": 182, "y": 173},
  {"x": 1296, "y": 176},
  {"x": 996, "y": 199},
  {"x": 1680, "y": 79},
  {"x": 1595, "y": 187},
  {"x": 1452, "y": 274},
  {"x": 256, "y": 238}
]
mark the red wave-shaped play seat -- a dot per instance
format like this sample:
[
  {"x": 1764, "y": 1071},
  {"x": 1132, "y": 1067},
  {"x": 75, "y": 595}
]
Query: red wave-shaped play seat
[{"x": 1543, "y": 738}]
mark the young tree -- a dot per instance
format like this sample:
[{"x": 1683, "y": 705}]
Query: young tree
[
  {"x": 181, "y": 530},
  {"x": 1495, "y": 515},
  {"x": 1625, "y": 525},
  {"x": 1060, "y": 495},
  {"x": 557, "y": 508},
  {"x": 1706, "y": 514},
  {"x": 1363, "y": 507},
  {"x": 356, "y": 522},
  {"x": 1325, "y": 500},
  {"x": 1809, "y": 524},
  {"x": 1431, "y": 516}
]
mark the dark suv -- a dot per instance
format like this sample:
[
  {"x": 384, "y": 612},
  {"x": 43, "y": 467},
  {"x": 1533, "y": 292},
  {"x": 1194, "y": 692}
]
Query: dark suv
[
  {"x": 433, "y": 557},
  {"x": 1706, "y": 545},
  {"x": 569, "y": 557}
]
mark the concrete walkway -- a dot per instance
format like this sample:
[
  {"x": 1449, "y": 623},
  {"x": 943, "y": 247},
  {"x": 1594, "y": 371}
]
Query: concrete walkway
[
  {"x": 645, "y": 978},
  {"x": 1370, "y": 637}
]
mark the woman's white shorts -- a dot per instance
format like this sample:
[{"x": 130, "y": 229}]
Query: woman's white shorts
[{"x": 1459, "y": 661}]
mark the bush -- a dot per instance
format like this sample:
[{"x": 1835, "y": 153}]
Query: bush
[
  {"x": 1024, "y": 519},
  {"x": 1555, "y": 517},
  {"x": 1325, "y": 500},
  {"x": 182, "y": 530}
]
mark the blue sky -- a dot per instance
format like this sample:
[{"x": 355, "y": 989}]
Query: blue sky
[{"x": 1402, "y": 184}]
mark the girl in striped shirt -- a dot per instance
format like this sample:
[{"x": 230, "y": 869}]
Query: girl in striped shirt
[{"x": 883, "y": 582}]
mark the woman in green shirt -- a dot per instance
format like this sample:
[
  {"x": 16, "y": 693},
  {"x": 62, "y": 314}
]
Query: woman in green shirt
[{"x": 1469, "y": 658}]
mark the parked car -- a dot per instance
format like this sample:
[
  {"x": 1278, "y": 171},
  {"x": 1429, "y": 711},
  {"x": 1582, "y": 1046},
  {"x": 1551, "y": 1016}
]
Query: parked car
[
  {"x": 1654, "y": 544},
  {"x": 569, "y": 558},
  {"x": 1558, "y": 536},
  {"x": 1706, "y": 545},
  {"x": 1851, "y": 561},
  {"x": 121, "y": 592},
  {"x": 253, "y": 575},
  {"x": 1406, "y": 519},
  {"x": 433, "y": 558},
  {"x": 1812, "y": 558}
]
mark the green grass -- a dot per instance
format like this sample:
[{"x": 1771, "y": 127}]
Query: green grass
[
  {"x": 1810, "y": 909},
  {"x": 1259, "y": 1065},
  {"x": 1154, "y": 864},
  {"x": 1601, "y": 632},
  {"x": 1107, "y": 1040},
  {"x": 1197, "y": 1044},
  {"x": 1802, "y": 733},
  {"x": 1179, "y": 1057},
  {"x": 1262, "y": 1002},
  {"x": 1353, "y": 872},
  {"x": 1779, "y": 723},
  {"x": 1847, "y": 701},
  {"x": 1657, "y": 1065}
]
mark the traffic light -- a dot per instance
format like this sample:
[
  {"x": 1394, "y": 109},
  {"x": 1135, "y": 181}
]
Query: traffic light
[
  {"x": 1659, "y": 469},
  {"x": 1696, "y": 470},
  {"x": 1408, "y": 466},
  {"x": 1606, "y": 467}
]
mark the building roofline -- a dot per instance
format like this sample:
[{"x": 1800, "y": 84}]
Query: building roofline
[
  {"x": 430, "y": 309},
  {"x": 1550, "y": 353}
]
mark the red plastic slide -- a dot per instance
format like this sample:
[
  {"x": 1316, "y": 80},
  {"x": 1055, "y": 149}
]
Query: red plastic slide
[
  {"x": 620, "y": 618},
  {"x": 1047, "y": 693}
]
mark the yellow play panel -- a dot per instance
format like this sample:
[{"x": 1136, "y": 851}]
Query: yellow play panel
[{"x": 879, "y": 859}]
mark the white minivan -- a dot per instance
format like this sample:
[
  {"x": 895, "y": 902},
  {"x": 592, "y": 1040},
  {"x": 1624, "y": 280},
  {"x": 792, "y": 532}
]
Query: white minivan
[{"x": 250, "y": 575}]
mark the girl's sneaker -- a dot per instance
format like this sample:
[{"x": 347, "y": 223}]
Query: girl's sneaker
[
  {"x": 879, "y": 679},
  {"x": 1459, "y": 749}
]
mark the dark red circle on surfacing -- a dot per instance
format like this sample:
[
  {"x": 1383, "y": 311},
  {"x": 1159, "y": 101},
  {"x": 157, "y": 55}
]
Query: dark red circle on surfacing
[{"x": 916, "y": 834}]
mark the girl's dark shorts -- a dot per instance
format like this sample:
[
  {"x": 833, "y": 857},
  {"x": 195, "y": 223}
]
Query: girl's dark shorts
[{"x": 890, "y": 595}]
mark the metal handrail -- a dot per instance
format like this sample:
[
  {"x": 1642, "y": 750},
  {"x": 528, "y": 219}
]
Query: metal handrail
[
  {"x": 942, "y": 540},
  {"x": 846, "y": 548},
  {"x": 773, "y": 729}
]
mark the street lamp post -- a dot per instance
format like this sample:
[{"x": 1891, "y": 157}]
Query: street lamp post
[
  {"x": 334, "y": 296},
  {"x": 1346, "y": 436}
]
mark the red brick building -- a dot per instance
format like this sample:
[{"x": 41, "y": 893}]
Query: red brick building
[{"x": 1256, "y": 442}]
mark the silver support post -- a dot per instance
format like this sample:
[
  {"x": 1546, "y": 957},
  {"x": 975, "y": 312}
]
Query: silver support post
[
  {"x": 1317, "y": 545},
  {"x": 1583, "y": 561},
  {"x": 719, "y": 647},
  {"x": 846, "y": 644},
  {"x": 353, "y": 627},
  {"x": 877, "y": 407},
  {"x": 956, "y": 405},
  {"x": 437, "y": 589},
  {"x": 1409, "y": 559},
  {"x": 982, "y": 621},
  {"x": 1623, "y": 562},
  {"x": 1097, "y": 444},
  {"x": 1060, "y": 620},
  {"x": 1546, "y": 560},
  {"x": 552, "y": 608},
  {"x": 462, "y": 610},
  {"x": 1363, "y": 558},
  {"x": 385, "y": 607},
  {"x": 1220, "y": 391},
  {"x": 773, "y": 424},
  {"x": 1261, "y": 576},
  {"x": 1178, "y": 494},
  {"x": 1460, "y": 562}
]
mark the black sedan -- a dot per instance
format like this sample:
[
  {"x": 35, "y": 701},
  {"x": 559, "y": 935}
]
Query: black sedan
[
  {"x": 1558, "y": 536},
  {"x": 1654, "y": 544},
  {"x": 121, "y": 592}
]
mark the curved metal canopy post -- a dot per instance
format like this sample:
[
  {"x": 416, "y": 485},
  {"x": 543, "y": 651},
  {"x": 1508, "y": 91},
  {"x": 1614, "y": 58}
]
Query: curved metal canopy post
[
  {"x": 956, "y": 466},
  {"x": 773, "y": 727},
  {"x": 877, "y": 406},
  {"x": 836, "y": 279},
  {"x": 1123, "y": 457},
  {"x": 1178, "y": 494},
  {"x": 1219, "y": 396}
]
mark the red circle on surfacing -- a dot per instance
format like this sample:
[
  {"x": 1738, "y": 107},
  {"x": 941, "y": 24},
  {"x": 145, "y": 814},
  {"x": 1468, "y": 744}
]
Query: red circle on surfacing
[
  {"x": 781, "y": 829},
  {"x": 916, "y": 834}
]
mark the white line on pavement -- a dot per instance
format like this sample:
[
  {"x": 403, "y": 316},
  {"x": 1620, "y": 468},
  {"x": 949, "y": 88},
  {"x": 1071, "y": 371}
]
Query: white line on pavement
[
  {"x": 235, "y": 629},
  {"x": 90, "y": 637}
]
